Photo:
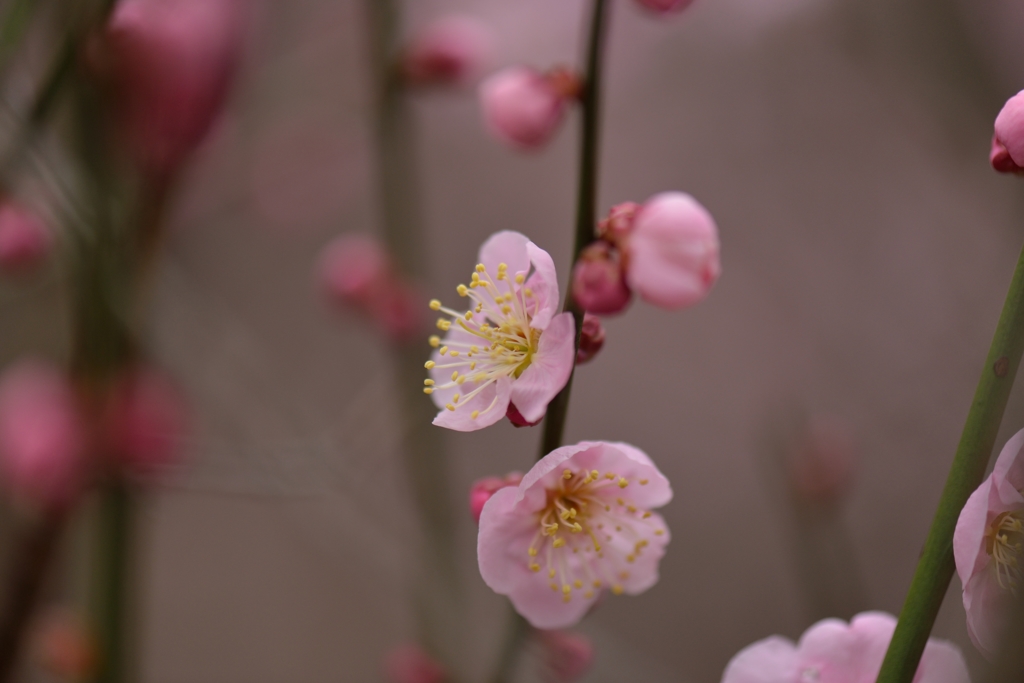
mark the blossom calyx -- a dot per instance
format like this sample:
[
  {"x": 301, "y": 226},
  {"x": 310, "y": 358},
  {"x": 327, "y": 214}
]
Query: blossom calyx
[
  {"x": 598, "y": 281},
  {"x": 591, "y": 339}
]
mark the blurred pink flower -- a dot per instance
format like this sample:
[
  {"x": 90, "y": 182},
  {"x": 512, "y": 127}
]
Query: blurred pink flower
[
  {"x": 666, "y": 6},
  {"x": 24, "y": 238},
  {"x": 579, "y": 521},
  {"x": 146, "y": 422},
  {"x": 409, "y": 663},
  {"x": 523, "y": 107},
  {"x": 483, "y": 489},
  {"x": 615, "y": 228},
  {"x": 822, "y": 462},
  {"x": 512, "y": 345},
  {"x": 988, "y": 545},
  {"x": 591, "y": 339},
  {"x": 169, "y": 64},
  {"x": 449, "y": 51},
  {"x": 1007, "y": 155},
  {"x": 672, "y": 256},
  {"x": 832, "y": 651},
  {"x": 598, "y": 283},
  {"x": 567, "y": 655},
  {"x": 42, "y": 443}
]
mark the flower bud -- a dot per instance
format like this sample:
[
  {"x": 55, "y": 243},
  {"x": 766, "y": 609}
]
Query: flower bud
[
  {"x": 411, "y": 664},
  {"x": 63, "y": 647},
  {"x": 598, "y": 283},
  {"x": 619, "y": 223},
  {"x": 568, "y": 655},
  {"x": 591, "y": 338},
  {"x": 24, "y": 238},
  {"x": 42, "y": 442},
  {"x": 169, "y": 65},
  {"x": 483, "y": 489},
  {"x": 1007, "y": 155},
  {"x": 822, "y": 462},
  {"x": 523, "y": 107},
  {"x": 352, "y": 268},
  {"x": 398, "y": 311},
  {"x": 145, "y": 422},
  {"x": 449, "y": 51},
  {"x": 672, "y": 257},
  {"x": 666, "y": 6}
]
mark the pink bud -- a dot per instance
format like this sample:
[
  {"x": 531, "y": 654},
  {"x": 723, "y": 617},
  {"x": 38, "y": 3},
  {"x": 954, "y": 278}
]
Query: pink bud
[
  {"x": 146, "y": 422},
  {"x": 169, "y": 64},
  {"x": 568, "y": 655},
  {"x": 619, "y": 223},
  {"x": 1009, "y": 136},
  {"x": 352, "y": 268},
  {"x": 522, "y": 107},
  {"x": 822, "y": 463},
  {"x": 24, "y": 238},
  {"x": 42, "y": 442},
  {"x": 591, "y": 338},
  {"x": 63, "y": 646},
  {"x": 516, "y": 417},
  {"x": 666, "y": 6},
  {"x": 598, "y": 283},
  {"x": 672, "y": 258},
  {"x": 448, "y": 51},
  {"x": 411, "y": 664},
  {"x": 398, "y": 311},
  {"x": 483, "y": 489}
]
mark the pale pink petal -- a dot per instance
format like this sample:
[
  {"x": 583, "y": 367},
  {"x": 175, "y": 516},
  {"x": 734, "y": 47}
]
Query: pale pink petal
[
  {"x": 872, "y": 633},
  {"x": 656, "y": 493},
  {"x": 969, "y": 536},
  {"x": 830, "y": 648},
  {"x": 985, "y": 602},
  {"x": 642, "y": 573},
  {"x": 942, "y": 662},
  {"x": 772, "y": 660},
  {"x": 491, "y": 403},
  {"x": 548, "y": 373},
  {"x": 1009, "y": 465},
  {"x": 544, "y": 283},
  {"x": 544, "y": 474},
  {"x": 508, "y": 247}
]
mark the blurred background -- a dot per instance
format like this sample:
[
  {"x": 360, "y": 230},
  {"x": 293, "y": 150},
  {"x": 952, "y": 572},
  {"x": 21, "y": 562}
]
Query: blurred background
[{"x": 866, "y": 249}]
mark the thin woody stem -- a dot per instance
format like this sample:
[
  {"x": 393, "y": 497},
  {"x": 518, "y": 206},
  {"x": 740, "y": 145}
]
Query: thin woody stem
[{"x": 936, "y": 567}]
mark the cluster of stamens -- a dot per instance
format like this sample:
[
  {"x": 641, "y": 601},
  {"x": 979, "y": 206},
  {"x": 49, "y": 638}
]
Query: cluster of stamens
[
  {"x": 1004, "y": 541},
  {"x": 499, "y": 317},
  {"x": 583, "y": 515}
]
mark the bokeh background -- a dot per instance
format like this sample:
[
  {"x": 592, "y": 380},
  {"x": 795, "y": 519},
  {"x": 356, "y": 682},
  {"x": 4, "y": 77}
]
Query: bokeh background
[{"x": 866, "y": 245}]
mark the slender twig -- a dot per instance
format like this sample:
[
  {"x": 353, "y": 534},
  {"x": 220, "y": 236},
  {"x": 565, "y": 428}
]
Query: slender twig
[{"x": 935, "y": 569}]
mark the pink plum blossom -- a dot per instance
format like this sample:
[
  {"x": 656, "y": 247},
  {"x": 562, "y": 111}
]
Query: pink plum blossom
[
  {"x": 42, "y": 441},
  {"x": 579, "y": 522},
  {"x": 672, "y": 253},
  {"x": 598, "y": 282},
  {"x": 666, "y": 6},
  {"x": 510, "y": 347},
  {"x": 145, "y": 422},
  {"x": 1007, "y": 155},
  {"x": 24, "y": 238},
  {"x": 523, "y": 107},
  {"x": 169, "y": 64},
  {"x": 567, "y": 655},
  {"x": 482, "y": 490},
  {"x": 832, "y": 651},
  {"x": 410, "y": 663},
  {"x": 451, "y": 50},
  {"x": 591, "y": 339},
  {"x": 988, "y": 545}
]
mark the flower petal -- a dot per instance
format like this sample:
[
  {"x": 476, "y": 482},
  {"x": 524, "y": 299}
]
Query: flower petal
[
  {"x": 969, "y": 536},
  {"x": 544, "y": 283},
  {"x": 549, "y": 371},
  {"x": 492, "y": 402},
  {"x": 772, "y": 660},
  {"x": 508, "y": 247},
  {"x": 942, "y": 662},
  {"x": 985, "y": 602},
  {"x": 1009, "y": 467}
]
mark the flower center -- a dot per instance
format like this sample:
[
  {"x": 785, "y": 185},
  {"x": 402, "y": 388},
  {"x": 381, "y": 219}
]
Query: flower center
[
  {"x": 589, "y": 533},
  {"x": 1004, "y": 541},
  {"x": 500, "y": 341}
]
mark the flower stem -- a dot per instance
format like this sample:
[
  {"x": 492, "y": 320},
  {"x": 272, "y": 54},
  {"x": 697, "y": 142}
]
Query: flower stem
[
  {"x": 936, "y": 567},
  {"x": 586, "y": 202},
  {"x": 113, "y": 580}
]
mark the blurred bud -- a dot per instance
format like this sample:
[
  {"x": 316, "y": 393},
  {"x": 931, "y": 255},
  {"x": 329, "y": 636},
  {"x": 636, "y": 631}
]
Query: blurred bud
[
  {"x": 598, "y": 283},
  {"x": 666, "y": 6},
  {"x": 398, "y": 311},
  {"x": 411, "y": 664},
  {"x": 672, "y": 256},
  {"x": 63, "y": 647},
  {"x": 619, "y": 223},
  {"x": 821, "y": 464},
  {"x": 146, "y": 422},
  {"x": 42, "y": 444},
  {"x": 169, "y": 65},
  {"x": 516, "y": 417},
  {"x": 1007, "y": 155},
  {"x": 24, "y": 239},
  {"x": 482, "y": 490},
  {"x": 523, "y": 107},
  {"x": 449, "y": 51},
  {"x": 591, "y": 338},
  {"x": 568, "y": 656}
]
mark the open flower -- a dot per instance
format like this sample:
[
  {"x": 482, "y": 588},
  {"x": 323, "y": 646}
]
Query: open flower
[
  {"x": 833, "y": 651},
  {"x": 988, "y": 545},
  {"x": 579, "y": 522},
  {"x": 509, "y": 347}
]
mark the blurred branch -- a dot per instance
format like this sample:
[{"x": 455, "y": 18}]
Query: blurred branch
[
  {"x": 12, "y": 28},
  {"x": 935, "y": 569}
]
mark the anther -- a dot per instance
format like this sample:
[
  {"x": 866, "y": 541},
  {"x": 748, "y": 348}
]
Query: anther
[
  {"x": 455, "y": 354},
  {"x": 534, "y": 567},
  {"x": 455, "y": 399},
  {"x": 475, "y": 414},
  {"x": 444, "y": 325},
  {"x": 609, "y": 476},
  {"x": 520, "y": 278},
  {"x": 449, "y": 406},
  {"x": 428, "y": 382},
  {"x": 617, "y": 589},
  {"x": 435, "y": 341},
  {"x": 643, "y": 482},
  {"x": 444, "y": 350},
  {"x": 558, "y": 543},
  {"x": 567, "y": 474},
  {"x": 428, "y": 390},
  {"x": 623, "y": 482},
  {"x": 578, "y": 583},
  {"x": 480, "y": 268},
  {"x": 435, "y": 305},
  {"x": 455, "y": 375},
  {"x": 463, "y": 290},
  {"x": 429, "y": 364}
]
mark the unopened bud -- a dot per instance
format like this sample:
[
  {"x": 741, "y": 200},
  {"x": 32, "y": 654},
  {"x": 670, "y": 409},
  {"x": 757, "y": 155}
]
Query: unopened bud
[
  {"x": 522, "y": 107},
  {"x": 1007, "y": 155},
  {"x": 352, "y": 267},
  {"x": 146, "y": 422},
  {"x": 591, "y": 338},
  {"x": 482, "y": 490},
  {"x": 63, "y": 647},
  {"x": 665, "y": 6},
  {"x": 449, "y": 51},
  {"x": 411, "y": 664},
  {"x": 619, "y": 222},
  {"x": 567, "y": 655},
  {"x": 598, "y": 283},
  {"x": 24, "y": 238}
]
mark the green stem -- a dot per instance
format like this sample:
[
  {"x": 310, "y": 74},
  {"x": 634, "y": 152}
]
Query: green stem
[
  {"x": 110, "y": 608},
  {"x": 586, "y": 202},
  {"x": 936, "y": 567}
]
